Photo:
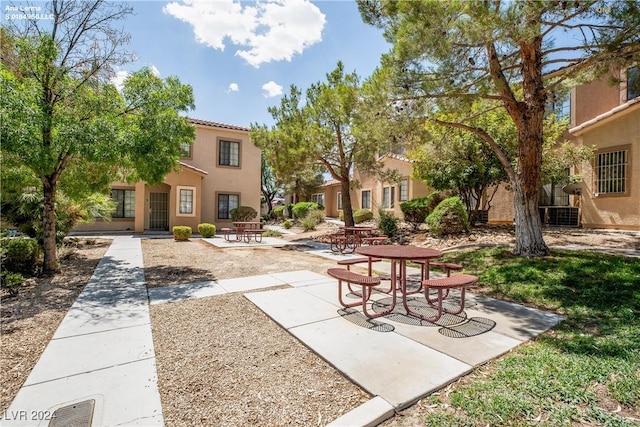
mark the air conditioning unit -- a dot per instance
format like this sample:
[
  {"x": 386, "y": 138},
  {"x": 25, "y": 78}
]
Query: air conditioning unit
[{"x": 560, "y": 216}]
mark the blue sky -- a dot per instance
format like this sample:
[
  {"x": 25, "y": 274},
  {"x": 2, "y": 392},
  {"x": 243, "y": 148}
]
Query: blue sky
[{"x": 245, "y": 57}]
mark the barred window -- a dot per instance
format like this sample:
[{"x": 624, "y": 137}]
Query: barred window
[
  {"x": 612, "y": 172},
  {"x": 185, "y": 149},
  {"x": 318, "y": 198},
  {"x": 126, "y": 203}
]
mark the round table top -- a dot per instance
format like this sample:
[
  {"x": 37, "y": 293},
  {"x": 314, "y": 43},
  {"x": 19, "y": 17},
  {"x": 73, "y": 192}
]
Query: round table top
[{"x": 398, "y": 252}]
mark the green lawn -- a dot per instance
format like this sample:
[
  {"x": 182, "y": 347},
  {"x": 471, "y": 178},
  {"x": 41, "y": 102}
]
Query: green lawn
[{"x": 586, "y": 371}]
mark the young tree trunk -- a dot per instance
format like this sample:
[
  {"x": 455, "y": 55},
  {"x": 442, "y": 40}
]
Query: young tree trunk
[
  {"x": 347, "y": 210},
  {"x": 49, "y": 248}
]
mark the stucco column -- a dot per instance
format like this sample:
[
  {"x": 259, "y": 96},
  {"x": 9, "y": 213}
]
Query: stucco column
[{"x": 141, "y": 206}]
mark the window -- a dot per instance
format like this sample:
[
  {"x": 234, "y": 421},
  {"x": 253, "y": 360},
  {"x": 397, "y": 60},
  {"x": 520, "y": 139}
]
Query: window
[
  {"x": 612, "y": 172},
  {"x": 185, "y": 149},
  {"x": 226, "y": 202},
  {"x": 126, "y": 203},
  {"x": 388, "y": 197},
  {"x": 404, "y": 190},
  {"x": 366, "y": 199},
  {"x": 633, "y": 82},
  {"x": 560, "y": 105},
  {"x": 229, "y": 153},
  {"x": 340, "y": 200},
  {"x": 186, "y": 201},
  {"x": 318, "y": 198}
]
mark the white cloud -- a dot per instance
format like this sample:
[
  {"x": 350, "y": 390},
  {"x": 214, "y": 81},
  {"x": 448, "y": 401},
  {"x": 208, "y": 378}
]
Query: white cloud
[
  {"x": 272, "y": 89},
  {"x": 154, "y": 70},
  {"x": 119, "y": 78},
  {"x": 233, "y": 87},
  {"x": 273, "y": 30}
]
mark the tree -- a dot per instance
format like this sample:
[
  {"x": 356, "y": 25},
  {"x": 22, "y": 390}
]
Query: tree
[
  {"x": 447, "y": 54},
  {"x": 62, "y": 119},
  {"x": 320, "y": 134},
  {"x": 269, "y": 186}
]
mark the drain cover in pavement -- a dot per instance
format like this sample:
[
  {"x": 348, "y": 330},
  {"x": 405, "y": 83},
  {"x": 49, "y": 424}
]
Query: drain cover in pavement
[{"x": 79, "y": 414}]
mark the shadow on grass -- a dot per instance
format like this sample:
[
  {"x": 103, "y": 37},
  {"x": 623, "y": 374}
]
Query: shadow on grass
[{"x": 598, "y": 294}]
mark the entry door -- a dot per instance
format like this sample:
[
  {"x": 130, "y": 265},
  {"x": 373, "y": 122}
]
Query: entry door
[{"x": 159, "y": 215}]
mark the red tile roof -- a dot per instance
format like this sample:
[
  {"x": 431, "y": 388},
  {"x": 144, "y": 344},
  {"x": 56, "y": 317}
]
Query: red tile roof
[{"x": 217, "y": 124}]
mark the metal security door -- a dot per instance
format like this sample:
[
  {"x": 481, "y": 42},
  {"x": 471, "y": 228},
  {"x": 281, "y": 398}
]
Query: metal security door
[{"x": 159, "y": 215}]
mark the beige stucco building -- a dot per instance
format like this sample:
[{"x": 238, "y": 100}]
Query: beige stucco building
[
  {"x": 219, "y": 172},
  {"x": 374, "y": 194},
  {"x": 605, "y": 116}
]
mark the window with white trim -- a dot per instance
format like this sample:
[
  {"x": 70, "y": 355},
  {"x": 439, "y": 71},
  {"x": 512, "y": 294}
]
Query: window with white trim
[
  {"x": 404, "y": 190},
  {"x": 633, "y": 82},
  {"x": 366, "y": 199},
  {"x": 186, "y": 201},
  {"x": 340, "y": 200},
  {"x": 126, "y": 203},
  {"x": 612, "y": 172},
  {"x": 318, "y": 198},
  {"x": 388, "y": 197}
]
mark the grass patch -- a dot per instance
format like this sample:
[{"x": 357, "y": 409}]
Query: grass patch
[{"x": 584, "y": 372}]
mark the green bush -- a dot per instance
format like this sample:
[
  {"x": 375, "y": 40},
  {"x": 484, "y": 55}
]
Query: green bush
[
  {"x": 271, "y": 233},
  {"x": 288, "y": 224},
  {"x": 415, "y": 211},
  {"x": 362, "y": 215},
  {"x": 181, "y": 233},
  {"x": 20, "y": 255},
  {"x": 243, "y": 213},
  {"x": 449, "y": 217},
  {"x": 207, "y": 230},
  {"x": 312, "y": 219},
  {"x": 341, "y": 215},
  {"x": 11, "y": 281},
  {"x": 301, "y": 209},
  {"x": 387, "y": 223},
  {"x": 278, "y": 213}
]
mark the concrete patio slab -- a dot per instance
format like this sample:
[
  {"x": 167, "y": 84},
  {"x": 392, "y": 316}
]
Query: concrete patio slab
[
  {"x": 294, "y": 277},
  {"x": 369, "y": 414},
  {"x": 388, "y": 365},
  {"x": 243, "y": 284},
  {"x": 183, "y": 292},
  {"x": 293, "y": 307}
]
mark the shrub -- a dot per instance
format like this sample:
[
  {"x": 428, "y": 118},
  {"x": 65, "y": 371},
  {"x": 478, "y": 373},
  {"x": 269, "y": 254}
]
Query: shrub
[
  {"x": 449, "y": 217},
  {"x": 271, "y": 233},
  {"x": 288, "y": 224},
  {"x": 10, "y": 281},
  {"x": 312, "y": 219},
  {"x": 416, "y": 211},
  {"x": 341, "y": 215},
  {"x": 181, "y": 233},
  {"x": 301, "y": 209},
  {"x": 362, "y": 215},
  {"x": 278, "y": 213},
  {"x": 20, "y": 255},
  {"x": 206, "y": 230},
  {"x": 387, "y": 223},
  {"x": 243, "y": 213}
]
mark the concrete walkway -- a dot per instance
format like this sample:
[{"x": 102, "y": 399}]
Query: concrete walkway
[
  {"x": 100, "y": 364},
  {"x": 102, "y": 354}
]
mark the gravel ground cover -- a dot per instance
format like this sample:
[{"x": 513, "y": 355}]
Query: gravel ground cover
[{"x": 27, "y": 323}]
